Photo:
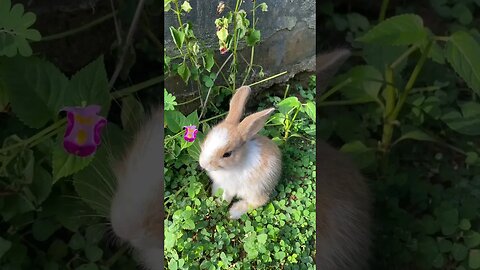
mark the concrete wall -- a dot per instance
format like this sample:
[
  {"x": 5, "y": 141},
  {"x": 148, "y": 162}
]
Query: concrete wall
[{"x": 287, "y": 42}]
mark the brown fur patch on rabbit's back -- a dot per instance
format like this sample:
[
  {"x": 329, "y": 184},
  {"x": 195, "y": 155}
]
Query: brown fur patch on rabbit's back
[{"x": 343, "y": 209}]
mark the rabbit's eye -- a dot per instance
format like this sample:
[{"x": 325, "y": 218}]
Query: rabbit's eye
[{"x": 227, "y": 154}]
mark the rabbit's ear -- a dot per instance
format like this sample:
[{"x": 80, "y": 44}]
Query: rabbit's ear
[
  {"x": 237, "y": 104},
  {"x": 253, "y": 123}
]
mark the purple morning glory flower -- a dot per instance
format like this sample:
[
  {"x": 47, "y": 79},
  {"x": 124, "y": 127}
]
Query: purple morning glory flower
[
  {"x": 84, "y": 126},
  {"x": 190, "y": 133}
]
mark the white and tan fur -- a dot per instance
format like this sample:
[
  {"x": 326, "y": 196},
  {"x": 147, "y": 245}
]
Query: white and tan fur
[
  {"x": 136, "y": 210},
  {"x": 252, "y": 170}
]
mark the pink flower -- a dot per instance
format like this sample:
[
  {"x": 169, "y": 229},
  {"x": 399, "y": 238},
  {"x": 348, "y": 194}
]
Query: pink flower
[
  {"x": 190, "y": 133},
  {"x": 84, "y": 126}
]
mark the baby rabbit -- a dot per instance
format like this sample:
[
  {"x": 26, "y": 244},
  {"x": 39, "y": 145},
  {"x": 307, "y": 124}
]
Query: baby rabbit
[
  {"x": 343, "y": 197},
  {"x": 136, "y": 212},
  {"x": 238, "y": 160}
]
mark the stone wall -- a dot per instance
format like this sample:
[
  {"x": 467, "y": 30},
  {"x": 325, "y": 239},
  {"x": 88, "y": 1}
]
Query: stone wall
[{"x": 287, "y": 42}]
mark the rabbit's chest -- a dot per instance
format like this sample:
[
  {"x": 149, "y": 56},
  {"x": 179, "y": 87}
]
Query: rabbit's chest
[{"x": 233, "y": 181}]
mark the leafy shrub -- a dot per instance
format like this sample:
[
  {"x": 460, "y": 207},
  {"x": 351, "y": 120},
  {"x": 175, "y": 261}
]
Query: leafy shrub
[{"x": 410, "y": 122}]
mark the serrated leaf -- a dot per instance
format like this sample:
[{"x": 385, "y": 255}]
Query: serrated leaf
[
  {"x": 96, "y": 183},
  {"x": 398, "y": 30},
  {"x": 467, "y": 122},
  {"x": 15, "y": 31},
  {"x": 65, "y": 164},
  {"x": 463, "y": 53},
  {"x": 90, "y": 86},
  {"x": 175, "y": 120},
  {"x": 36, "y": 89}
]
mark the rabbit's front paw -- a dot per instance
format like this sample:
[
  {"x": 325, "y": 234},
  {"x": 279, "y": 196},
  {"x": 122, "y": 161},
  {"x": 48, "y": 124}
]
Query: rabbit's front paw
[{"x": 238, "y": 209}]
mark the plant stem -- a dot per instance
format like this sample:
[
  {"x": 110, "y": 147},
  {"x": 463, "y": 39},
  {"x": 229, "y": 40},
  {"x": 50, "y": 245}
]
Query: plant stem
[
  {"x": 412, "y": 79},
  {"x": 403, "y": 56},
  {"x": 128, "y": 42},
  {"x": 389, "y": 107},
  {"x": 79, "y": 29},
  {"x": 134, "y": 88},
  {"x": 210, "y": 89},
  {"x": 234, "y": 63},
  {"x": 286, "y": 91},
  {"x": 334, "y": 90},
  {"x": 391, "y": 110},
  {"x": 269, "y": 78},
  {"x": 383, "y": 10},
  {"x": 188, "y": 101},
  {"x": 346, "y": 102},
  {"x": 40, "y": 135},
  {"x": 252, "y": 53}
]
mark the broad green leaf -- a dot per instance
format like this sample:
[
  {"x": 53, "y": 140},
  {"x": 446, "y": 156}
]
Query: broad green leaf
[
  {"x": 361, "y": 154},
  {"x": 41, "y": 184},
  {"x": 398, "y": 30},
  {"x": 96, "y": 183},
  {"x": 253, "y": 37},
  {"x": 474, "y": 259},
  {"x": 462, "y": 13},
  {"x": 90, "y": 85},
  {"x": 415, "y": 135},
  {"x": 262, "y": 238},
  {"x": 65, "y": 164},
  {"x": 288, "y": 104},
  {"x": 77, "y": 242},
  {"x": 14, "y": 30},
  {"x": 186, "y": 6},
  {"x": 467, "y": 122},
  {"x": 222, "y": 34},
  {"x": 463, "y": 53},
  {"x": 178, "y": 36},
  {"x": 175, "y": 120},
  {"x": 366, "y": 82},
  {"x": 310, "y": 110},
  {"x": 459, "y": 252},
  {"x": 36, "y": 89},
  {"x": 381, "y": 56},
  {"x": 42, "y": 229},
  {"x": 184, "y": 72},
  {"x": 93, "y": 253},
  {"x": 166, "y": 5},
  {"x": 472, "y": 239},
  {"x": 209, "y": 61},
  {"x": 192, "y": 119}
]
